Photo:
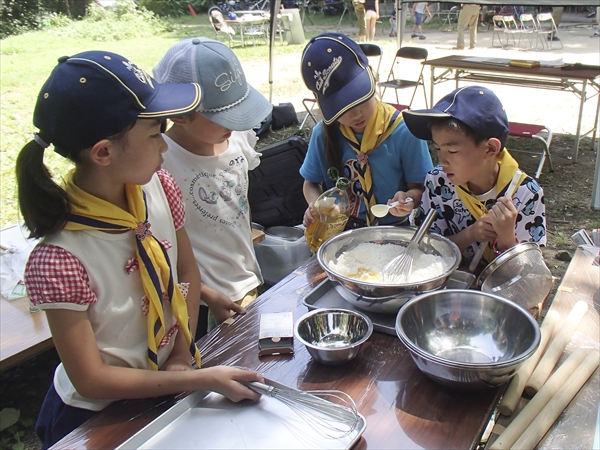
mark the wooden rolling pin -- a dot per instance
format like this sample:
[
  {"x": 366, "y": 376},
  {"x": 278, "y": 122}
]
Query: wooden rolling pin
[
  {"x": 517, "y": 383},
  {"x": 522, "y": 420},
  {"x": 546, "y": 418},
  {"x": 556, "y": 348}
]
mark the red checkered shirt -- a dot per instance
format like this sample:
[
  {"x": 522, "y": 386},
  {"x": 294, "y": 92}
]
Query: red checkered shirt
[{"x": 53, "y": 275}]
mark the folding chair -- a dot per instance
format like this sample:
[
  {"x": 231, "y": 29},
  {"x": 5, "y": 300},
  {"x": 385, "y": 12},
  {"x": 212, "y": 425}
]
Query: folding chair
[
  {"x": 546, "y": 30},
  {"x": 312, "y": 111},
  {"x": 539, "y": 132},
  {"x": 498, "y": 32},
  {"x": 403, "y": 54},
  {"x": 529, "y": 28},
  {"x": 511, "y": 29},
  {"x": 373, "y": 51}
]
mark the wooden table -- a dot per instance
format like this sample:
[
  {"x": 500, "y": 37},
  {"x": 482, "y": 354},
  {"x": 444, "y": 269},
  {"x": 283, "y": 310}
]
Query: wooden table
[
  {"x": 583, "y": 82},
  {"x": 576, "y": 425},
  {"x": 24, "y": 334},
  {"x": 403, "y": 408}
]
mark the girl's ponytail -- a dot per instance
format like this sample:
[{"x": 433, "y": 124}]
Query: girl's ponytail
[{"x": 44, "y": 205}]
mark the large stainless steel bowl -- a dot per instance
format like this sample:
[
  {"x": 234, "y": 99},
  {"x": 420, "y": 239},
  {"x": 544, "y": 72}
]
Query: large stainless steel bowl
[
  {"x": 378, "y": 296},
  {"x": 333, "y": 336},
  {"x": 467, "y": 339}
]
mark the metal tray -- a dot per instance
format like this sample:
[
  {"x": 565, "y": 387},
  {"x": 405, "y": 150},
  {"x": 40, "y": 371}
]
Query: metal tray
[
  {"x": 211, "y": 421},
  {"x": 330, "y": 294}
]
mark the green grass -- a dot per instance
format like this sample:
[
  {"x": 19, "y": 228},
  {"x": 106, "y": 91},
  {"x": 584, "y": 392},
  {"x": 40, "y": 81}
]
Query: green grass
[{"x": 28, "y": 59}]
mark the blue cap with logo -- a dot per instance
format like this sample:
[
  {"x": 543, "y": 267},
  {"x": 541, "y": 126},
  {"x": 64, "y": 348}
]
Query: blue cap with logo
[
  {"x": 94, "y": 95},
  {"x": 336, "y": 70},
  {"x": 475, "y": 106}
]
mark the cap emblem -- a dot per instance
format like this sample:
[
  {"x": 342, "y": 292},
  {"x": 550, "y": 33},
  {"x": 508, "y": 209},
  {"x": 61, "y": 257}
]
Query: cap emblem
[
  {"x": 225, "y": 80},
  {"x": 323, "y": 77},
  {"x": 140, "y": 74}
]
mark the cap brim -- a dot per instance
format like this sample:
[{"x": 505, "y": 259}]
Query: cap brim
[
  {"x": 245, "y": 115},
  {"x": 172, "y": 100},
  {"x": 417, "y": 122},
  {"x": 353, "y": 94}
]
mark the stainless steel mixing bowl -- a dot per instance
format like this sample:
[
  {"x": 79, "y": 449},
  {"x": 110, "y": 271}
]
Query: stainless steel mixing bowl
[
  {"x": 378, "y": 296},
  {"x": 467, "y": 339},
  {"x": 333, "y": 336}
]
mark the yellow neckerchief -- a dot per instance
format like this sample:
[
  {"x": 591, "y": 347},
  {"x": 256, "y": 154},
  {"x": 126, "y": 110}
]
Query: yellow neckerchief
[
  {"x": 382, "y": 123},
  {"x": 508, "y": 167},
  {"x": 92, "y": 213}
]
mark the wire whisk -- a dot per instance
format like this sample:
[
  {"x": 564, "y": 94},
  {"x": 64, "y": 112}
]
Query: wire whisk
[
  {"x": 331, "y": 420},
  {"x": 398, "y": 270}
]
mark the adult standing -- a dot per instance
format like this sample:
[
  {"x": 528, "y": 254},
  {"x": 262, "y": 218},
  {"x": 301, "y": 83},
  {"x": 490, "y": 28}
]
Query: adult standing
[
  {"x": 359, "y": 10},
  {"x": 557, "y": 12},
  {"x": 371, "y": 16},
  {"x": 468, "y": 17},
  {"x": 419, "y": 10}
]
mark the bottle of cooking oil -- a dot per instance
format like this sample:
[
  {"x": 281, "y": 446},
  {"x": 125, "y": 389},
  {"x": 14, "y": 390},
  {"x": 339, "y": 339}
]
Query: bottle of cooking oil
[{"x": 330, "y": 212}]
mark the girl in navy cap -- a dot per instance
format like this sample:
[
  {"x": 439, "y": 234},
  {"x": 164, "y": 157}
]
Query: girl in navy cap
[
  {"x": 114, "y": 270},
  {"x": 364, "y": 138}
]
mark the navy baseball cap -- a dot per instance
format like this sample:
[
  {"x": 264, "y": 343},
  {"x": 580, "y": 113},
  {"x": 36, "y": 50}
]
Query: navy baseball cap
[
  {"x": 94, "y": 95},
  {"x": 336, "y": 69},
  {"x": 475, "y": 106}
]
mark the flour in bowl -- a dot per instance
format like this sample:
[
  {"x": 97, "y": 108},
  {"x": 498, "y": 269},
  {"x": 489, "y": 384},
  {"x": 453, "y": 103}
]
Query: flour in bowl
[{"x": 366, "y": 261}]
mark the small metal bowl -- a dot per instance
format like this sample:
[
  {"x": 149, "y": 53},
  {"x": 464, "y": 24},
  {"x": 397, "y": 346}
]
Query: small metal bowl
[
  {"x": 467, "y": 339},
  {"x": 333, "y": 336}
]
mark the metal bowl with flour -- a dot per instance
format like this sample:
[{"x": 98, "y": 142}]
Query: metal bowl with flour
[{"x": 378, "y": 296}]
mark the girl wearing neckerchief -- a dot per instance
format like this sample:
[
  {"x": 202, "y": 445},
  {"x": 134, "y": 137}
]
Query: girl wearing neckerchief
[
  {"x": 364, "y": 138},
  {"x": 114, "y": 271}
]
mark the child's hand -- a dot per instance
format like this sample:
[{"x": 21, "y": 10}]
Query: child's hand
[
  {"x": 405, "y": 204},
  {"x": 503, "y": 217},
  {"x": 308, "y": 217},
  {"x": 483, "y": 230},
  {"x": 220, "y": 305},
  {"x": 229, "y": 382}
]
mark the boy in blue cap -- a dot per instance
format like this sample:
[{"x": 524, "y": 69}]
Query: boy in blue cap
[{"x": 471, "y": 188}]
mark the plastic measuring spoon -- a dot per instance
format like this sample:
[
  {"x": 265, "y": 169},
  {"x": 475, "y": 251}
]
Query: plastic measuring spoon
[{"x": 382, "y": 210}]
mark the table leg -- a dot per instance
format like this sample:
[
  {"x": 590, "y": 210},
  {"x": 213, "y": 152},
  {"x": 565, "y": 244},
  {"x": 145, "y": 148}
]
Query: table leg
[
  {"x": 341, "y": 18},
  {"x": 581, "y": 103},
  {"x": 432, "y": 83}
]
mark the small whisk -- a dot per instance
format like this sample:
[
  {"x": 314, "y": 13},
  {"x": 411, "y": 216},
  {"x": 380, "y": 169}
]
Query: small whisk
[
  {"x": 329, "y": 419},
  {"x": 398, "y": 269}
]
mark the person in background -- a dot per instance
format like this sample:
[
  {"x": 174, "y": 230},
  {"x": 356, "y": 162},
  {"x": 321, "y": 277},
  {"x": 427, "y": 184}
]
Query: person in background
[
  {"x": 468, "y": 17},
  {"x": 393, "y": 31},
  {"x": 210, "y": 152},
  {"x": 360, "y": 11},
  {"x": 371, "y": 16},
  {"x": 469, "y": 129},
  {"x": 365, "y": 139},
  {"x": 114, "y": 271},
  {"x": 557, "y": 12},
  {"x": 418, "y": 13}
]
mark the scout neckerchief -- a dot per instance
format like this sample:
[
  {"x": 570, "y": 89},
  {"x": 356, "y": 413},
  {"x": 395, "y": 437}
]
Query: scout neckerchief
[
  {"x": 92, "y": 213},
  {"x": 508, "y": 168},
  {"x": 381, "y": 124}
]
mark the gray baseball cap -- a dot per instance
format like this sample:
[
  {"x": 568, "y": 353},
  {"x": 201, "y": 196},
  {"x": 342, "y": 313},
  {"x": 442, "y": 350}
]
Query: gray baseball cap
[{"x": 227, "y": 98}]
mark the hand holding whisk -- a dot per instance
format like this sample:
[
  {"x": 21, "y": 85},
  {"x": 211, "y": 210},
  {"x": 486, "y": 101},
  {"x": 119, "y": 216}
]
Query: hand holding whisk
[
  {"x": 398, "y": 269},
  {"x": 329, "y": 419}
]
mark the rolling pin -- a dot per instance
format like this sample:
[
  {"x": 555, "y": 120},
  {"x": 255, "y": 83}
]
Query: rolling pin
[
  {"x": 557, "y": 346},
  {"x": 517, "y": 384},
  {"x": 546, "y": 418},
  {"x": 528, "y": 414}
]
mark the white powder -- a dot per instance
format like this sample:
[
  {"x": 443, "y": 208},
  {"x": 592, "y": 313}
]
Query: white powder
[{"x": 366, "y": 261}]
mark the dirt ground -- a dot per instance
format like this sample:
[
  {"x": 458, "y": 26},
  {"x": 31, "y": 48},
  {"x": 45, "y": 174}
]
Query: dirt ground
[{"x": 567, "y": 190}]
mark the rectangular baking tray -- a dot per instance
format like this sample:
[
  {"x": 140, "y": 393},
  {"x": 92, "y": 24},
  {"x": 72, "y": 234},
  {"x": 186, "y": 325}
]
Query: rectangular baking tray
[
  {"x": 330, "y": 294},
  {"x": 211, "y": 421}
]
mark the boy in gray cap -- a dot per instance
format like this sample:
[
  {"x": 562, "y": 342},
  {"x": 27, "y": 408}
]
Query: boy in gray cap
[
  {"x": 479, "y": 192},
  {"x": 210, "y": 153}
]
